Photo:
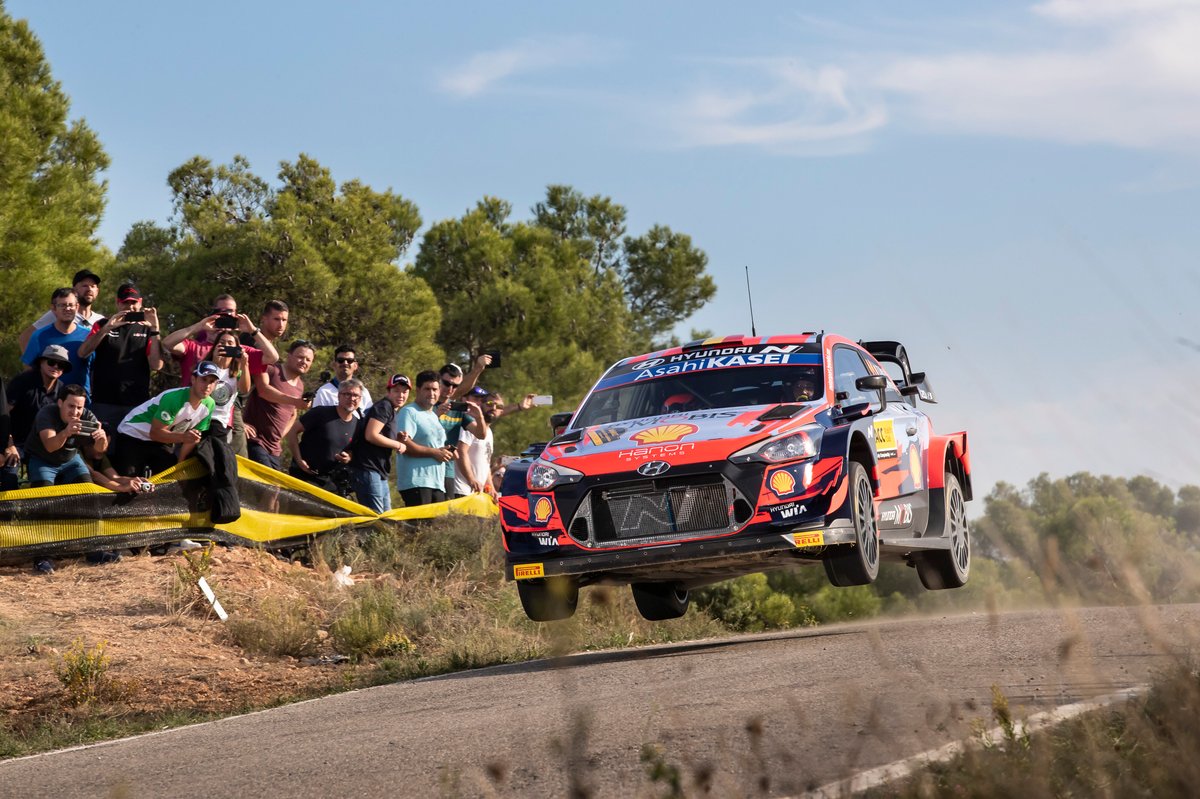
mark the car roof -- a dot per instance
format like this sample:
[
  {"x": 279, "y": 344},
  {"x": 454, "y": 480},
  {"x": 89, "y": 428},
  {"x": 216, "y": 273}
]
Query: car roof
[{"x": 736, "y": 340}]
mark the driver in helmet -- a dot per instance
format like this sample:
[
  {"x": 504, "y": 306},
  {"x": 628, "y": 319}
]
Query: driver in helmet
[
  {"x": 801, "y": 387},
  {"x": 681, "y": 402}
]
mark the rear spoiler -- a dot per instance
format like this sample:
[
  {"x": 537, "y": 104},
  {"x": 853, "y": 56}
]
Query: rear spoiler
[{"x": 912, "y": 383}]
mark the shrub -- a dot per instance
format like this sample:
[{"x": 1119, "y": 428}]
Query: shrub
[
  {"x": 364, "y": 627},
  {"x": 748, "y": 604},
  {"x": 83, "y": 672},
  {"x": 279, "y": 626}
]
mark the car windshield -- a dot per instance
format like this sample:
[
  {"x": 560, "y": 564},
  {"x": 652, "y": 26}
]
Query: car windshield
[{"x": 700, "y": 390}]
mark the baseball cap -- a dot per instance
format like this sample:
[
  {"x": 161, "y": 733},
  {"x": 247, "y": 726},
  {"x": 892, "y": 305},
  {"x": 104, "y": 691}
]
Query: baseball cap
[
  {"x": 85, "y": 274},
  {"x": 206, "y": 369},
  {"x": 54, "y": 352},
  {"x": 128, "y": 291},
  {"x": 478, "y": 391},
  {"x": 399, "y": 380}
]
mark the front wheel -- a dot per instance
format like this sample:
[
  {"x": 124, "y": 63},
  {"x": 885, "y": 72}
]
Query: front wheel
[
  {"x": 549, "y": 598},
  {"x": 949, "y": 568},
  {"x": 661, "y": 601},
  {"x": 860, "y": 565}
]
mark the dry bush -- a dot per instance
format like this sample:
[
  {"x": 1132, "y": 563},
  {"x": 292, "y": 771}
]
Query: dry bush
[
  {"x": 84, "y": 674},
  {"x": 278, "y": 626}
]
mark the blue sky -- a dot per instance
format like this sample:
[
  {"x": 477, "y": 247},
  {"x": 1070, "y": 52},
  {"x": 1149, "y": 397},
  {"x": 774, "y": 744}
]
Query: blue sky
[{"x": 1008, "y": 188}]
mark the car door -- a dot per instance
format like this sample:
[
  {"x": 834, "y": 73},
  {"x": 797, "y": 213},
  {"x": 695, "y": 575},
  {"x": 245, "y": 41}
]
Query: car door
[{"x": 901, "y": 436}]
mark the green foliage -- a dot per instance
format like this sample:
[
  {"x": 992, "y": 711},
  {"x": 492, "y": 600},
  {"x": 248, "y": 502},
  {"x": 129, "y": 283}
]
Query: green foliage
[
  {"x": 330, "y": 252},
  {"x": 562, "y": 296},
  {"x": 51, "y": 195},
  {"x": 748, "y": 604}
]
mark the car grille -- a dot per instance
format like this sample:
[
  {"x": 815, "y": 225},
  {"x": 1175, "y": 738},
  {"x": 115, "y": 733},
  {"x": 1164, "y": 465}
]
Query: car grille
[{"x": 652, "y": 510}]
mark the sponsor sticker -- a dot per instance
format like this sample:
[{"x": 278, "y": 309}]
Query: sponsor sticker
[
  {"x": 659, "y": 451},
  {"x": 782, "y": 483},
  {"x": 664, "y": 434},
  {"x": 813, "y": 539},
  {"x": 885, "y": 438},
  {"x": 542, "y": 509},
  {"x": 898, "y": 515},
  {"x": 604, "y": 435},
  {"x": 788, "y": 511},
  {"x": 528, "y": 571}
]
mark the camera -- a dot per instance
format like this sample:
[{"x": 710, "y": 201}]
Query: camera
[
  {"x": 232, "y": 352},
  {"x": 495, "y": 364},
  {"x": 135, "y": 316},
  {"x": 459, "y": 406},
  {"x": 227, "y": 322},
  {"x": 87, "y": 427},
  {"x": 307, "y": 396}
]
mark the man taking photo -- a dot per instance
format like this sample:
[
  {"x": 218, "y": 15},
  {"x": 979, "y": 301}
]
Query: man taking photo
[{"x": 320, "y": 438}]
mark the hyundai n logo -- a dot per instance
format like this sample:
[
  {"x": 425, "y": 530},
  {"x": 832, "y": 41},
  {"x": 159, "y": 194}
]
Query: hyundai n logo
[{"x": 653, "y": 468}]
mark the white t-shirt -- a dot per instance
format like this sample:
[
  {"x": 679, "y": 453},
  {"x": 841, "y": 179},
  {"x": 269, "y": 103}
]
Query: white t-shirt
[
  {"x": 224, "y": 395},
  {"x": 328, "y": 395},
  {"x": 480, "y": 455}
]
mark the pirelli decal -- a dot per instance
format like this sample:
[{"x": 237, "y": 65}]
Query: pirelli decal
[
  {"x": 813, "y": 539},
  {"x": 528, "y": 571}
]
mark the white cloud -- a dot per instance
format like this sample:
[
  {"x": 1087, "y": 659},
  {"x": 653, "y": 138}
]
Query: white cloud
[
  {"x": 790, "y": 107},
  {"x": 1126, "y": 74},
  {"x": 483, "y": 71}
]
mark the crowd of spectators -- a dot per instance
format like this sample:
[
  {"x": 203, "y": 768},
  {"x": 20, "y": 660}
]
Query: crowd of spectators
[{"x": 84, "y": 409}]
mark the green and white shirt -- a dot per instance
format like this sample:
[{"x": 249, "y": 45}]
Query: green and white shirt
[{"x": 172, "y": 409}]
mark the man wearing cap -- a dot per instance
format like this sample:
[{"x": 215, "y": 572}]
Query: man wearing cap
[
  {"x": 127, "y": 348},
  {"x": 87, "y": 287},
  {"x": 66, "y": 333},
  {"x": 164, "y": 430},
  {"x": 28, "y": 393},
  {"x": 345, "y": 364},
  {"x": 374, "y": 445},
  {"x": 473, "y": 456}
]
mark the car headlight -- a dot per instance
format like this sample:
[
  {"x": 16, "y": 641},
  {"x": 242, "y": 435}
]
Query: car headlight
[
  {"x": 543, "y": 476},
  {"x": 800, "y": 445}
]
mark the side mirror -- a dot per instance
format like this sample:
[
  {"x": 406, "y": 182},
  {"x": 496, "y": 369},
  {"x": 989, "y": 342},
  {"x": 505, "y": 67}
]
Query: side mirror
[
  {"x": 851, "y": 412},
  {"x": 874, "y": 383}
]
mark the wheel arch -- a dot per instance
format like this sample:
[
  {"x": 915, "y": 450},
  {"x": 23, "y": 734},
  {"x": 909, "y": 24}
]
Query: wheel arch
[{"x": 951, "y": 454}]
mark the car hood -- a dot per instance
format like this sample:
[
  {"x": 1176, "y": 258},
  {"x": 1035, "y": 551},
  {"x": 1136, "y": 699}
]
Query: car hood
[{"x": 680, "y": 438}]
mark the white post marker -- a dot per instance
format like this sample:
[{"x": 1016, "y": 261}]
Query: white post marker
[{"x": 212, "y": 599}]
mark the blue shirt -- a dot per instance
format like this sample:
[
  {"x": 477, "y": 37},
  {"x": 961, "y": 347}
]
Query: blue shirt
[
  {"x": 79, "y": 372},
  {"x": 424, "y": 428}
]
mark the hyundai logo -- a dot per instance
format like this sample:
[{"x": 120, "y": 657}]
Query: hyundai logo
[{"x": 653, "y": 468}]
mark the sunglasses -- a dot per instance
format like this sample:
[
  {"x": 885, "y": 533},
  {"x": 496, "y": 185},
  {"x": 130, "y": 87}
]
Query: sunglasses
[
  {"x": 345, "y": 360},
  {"x": 62, "y": 367},
  {"x": 448, "y": 384}
]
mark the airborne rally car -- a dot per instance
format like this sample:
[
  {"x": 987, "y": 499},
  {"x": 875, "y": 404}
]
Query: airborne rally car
[{"x": 736, "y": 455}]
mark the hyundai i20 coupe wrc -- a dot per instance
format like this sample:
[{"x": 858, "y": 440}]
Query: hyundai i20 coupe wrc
[{"x": 735, "y": 455}]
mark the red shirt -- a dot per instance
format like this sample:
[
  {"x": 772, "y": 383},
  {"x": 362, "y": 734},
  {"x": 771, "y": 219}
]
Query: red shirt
[{"x": 194, "y": 352}]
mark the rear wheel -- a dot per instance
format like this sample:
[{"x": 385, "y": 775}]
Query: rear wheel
[
  {"x": 949, "y": 568},
  {"x": 661, "y": 601},
  {"x": 860, "y": 565},
  {"x": 549, "y": 598}
]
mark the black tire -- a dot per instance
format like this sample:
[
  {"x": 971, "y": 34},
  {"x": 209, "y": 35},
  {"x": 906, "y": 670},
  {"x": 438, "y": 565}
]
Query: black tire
[
  {"x": 549, "y": 598},
  {"x": 661, "y": 601},
  {"x": 860, "y": 564},
  {"x": 949, "y": 568}
]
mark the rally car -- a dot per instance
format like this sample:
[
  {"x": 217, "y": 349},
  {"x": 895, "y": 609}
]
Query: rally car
[{"x": 736, "y": 455}]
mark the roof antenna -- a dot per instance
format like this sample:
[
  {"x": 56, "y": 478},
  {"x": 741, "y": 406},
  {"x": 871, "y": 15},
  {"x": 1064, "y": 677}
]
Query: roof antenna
[{"x": 750, "y": 297}]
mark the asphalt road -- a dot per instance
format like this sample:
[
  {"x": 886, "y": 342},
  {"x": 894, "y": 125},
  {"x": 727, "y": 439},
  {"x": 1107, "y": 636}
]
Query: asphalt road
[{"x": 752, "y": 715}]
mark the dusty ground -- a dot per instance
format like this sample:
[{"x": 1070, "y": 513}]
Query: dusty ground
[{"x": 168, "y": 660}]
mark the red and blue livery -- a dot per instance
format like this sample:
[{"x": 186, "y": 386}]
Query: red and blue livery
[{"x": 737, "y": 455}]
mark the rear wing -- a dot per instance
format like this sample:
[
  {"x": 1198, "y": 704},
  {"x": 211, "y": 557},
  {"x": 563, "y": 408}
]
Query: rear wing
[{"x": 911, "y": 384}]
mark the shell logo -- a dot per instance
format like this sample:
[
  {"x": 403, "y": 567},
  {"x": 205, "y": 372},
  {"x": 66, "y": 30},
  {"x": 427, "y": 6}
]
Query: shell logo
[
  {"x": 542, "y": 509},
  {"x": 782, "y": 483},
  {"x": 663, "y": 434}
]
